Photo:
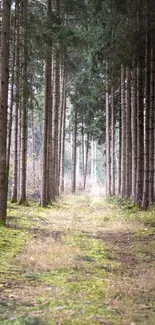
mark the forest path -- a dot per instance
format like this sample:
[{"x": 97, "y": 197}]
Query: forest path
[{"x": 83, "y": 261}]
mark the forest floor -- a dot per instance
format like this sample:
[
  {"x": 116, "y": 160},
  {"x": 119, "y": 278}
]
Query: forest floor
[{"x": 86, "y": 260}]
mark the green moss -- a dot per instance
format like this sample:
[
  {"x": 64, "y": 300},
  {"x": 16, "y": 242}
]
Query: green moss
[{"x": 11, "y": 242}]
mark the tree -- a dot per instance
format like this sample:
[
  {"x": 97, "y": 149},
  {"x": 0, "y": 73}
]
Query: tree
[{"x": 4, "y": 75}]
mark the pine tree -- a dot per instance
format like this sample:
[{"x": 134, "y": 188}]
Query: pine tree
[{"x": 4, "y": 76}]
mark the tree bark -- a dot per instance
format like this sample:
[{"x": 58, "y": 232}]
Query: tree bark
[
  {"x": 120, "y": 157},
  {"x": 16, "y": 112},
  {"x": 63, "y": 134},
  {"x": 4, "y": 73},
  {"x": 74, "y": 152},
  {"x": 108, "y": 136},
  {"x": 11, "y": 98},
  {"x": 128, "y": 135},
  {"x": 145, "y": 201},
  {"x": 112, "y": 143},
  {"x": 152, "y": 114},
  {"x": 23, "y": 199},
  {"x": 140, "y": 136},
  {"x": 123, "y": 133},
  {"x": 47, "y": 103},
  {"x": 86, "y": 162},
  {"x": 134, "y": 130}
]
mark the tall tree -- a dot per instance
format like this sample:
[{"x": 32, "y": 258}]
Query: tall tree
[
  {"x": 108, "y": 138},
  {"x": 25, "y": 95},
  {"x": 44, "y": 198},
  {"x": 4, "y": 75}
]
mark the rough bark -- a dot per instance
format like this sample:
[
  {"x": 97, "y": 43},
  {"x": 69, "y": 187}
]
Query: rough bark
[{"x": 4, "y": 73}]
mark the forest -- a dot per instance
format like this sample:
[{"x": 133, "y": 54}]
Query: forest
[{"x": 77, "y": 161}]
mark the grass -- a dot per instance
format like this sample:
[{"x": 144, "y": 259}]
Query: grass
[{"x": 85, "y": 260}]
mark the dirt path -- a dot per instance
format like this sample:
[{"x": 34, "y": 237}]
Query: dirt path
[{"x": 84, "y": 261}]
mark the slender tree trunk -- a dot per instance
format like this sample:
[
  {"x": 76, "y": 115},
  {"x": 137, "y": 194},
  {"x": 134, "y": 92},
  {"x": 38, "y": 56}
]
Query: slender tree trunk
[
  {"x": 123, "y": 133},
  {"x": 152, "y": 114},
  {"x": 86, "y": 162},
  {"x": 23, "y": 199},
  {"x": 46, "y": 116},
  {"x": 140, "y": 136},
  {"x": 56, "y": 123},
  {"x": 95, "y": 162},
  {"x": 61, "y": 112},
  {"x": 63, "y": 135},
  {"x": 49, "y": 128},
  {"x": 92, "y": 161},
  {"x": 45, "y": 133},
  {"x": 134, "y": 130},
  {"x": 145, "y": 201},
  {"x": 83, "y": 149},
  {"x": 11, "y": 100},
  {"x": 74, "y": 152},
  {"x": 4, "y": 73},
  {"x": 50, "y": 131},
  {"x": 112, "y": 143},
  {"x": 33, "y": 146},
  {"x": 128, "y": 135},
  {"x": 16, "y": 113},
  {"x": 108, "y": 163},
  {"x": 120, "y": 157}
]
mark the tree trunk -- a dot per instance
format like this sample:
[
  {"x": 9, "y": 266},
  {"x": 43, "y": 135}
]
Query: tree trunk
[
  {"x": 11, "y": 98},
  {"x": 47, "y": 106},
  {"x": 145, "y": 201},
  {"x": 120, "y": 157},
  {"x": 92, "y": 162},
  {"x": 123, "y": 133},
  {"x": 112, "y": 143},
  {"x": 108, "y": 163},
  {"x": 23, "y": 199},
  {"x": 128, "y": 135},
  {"x": 152, "y": 114},
  {"x": 134, "y": 130},
  {"x": 56, "y": 125},
  {"x": 4, "y": 73},
  {"x": 16, "y": 113},
  {"x": 63, "y": 138},
  {"x": 86, "y": 161},
  {"x": 74, "y": 152},
  {"x": 140, "y": 136},
  {"x": 61, "y": 113}
]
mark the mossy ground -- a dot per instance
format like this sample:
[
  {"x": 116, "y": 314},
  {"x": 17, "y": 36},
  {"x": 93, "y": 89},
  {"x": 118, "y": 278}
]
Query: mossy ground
[{"x": 84, "y": 260}]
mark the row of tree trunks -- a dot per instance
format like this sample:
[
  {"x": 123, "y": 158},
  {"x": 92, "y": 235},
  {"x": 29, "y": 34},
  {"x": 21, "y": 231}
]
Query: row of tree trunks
[
  {"x": 137, "y": 125},
  {"x": 53, "y": 122}
]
